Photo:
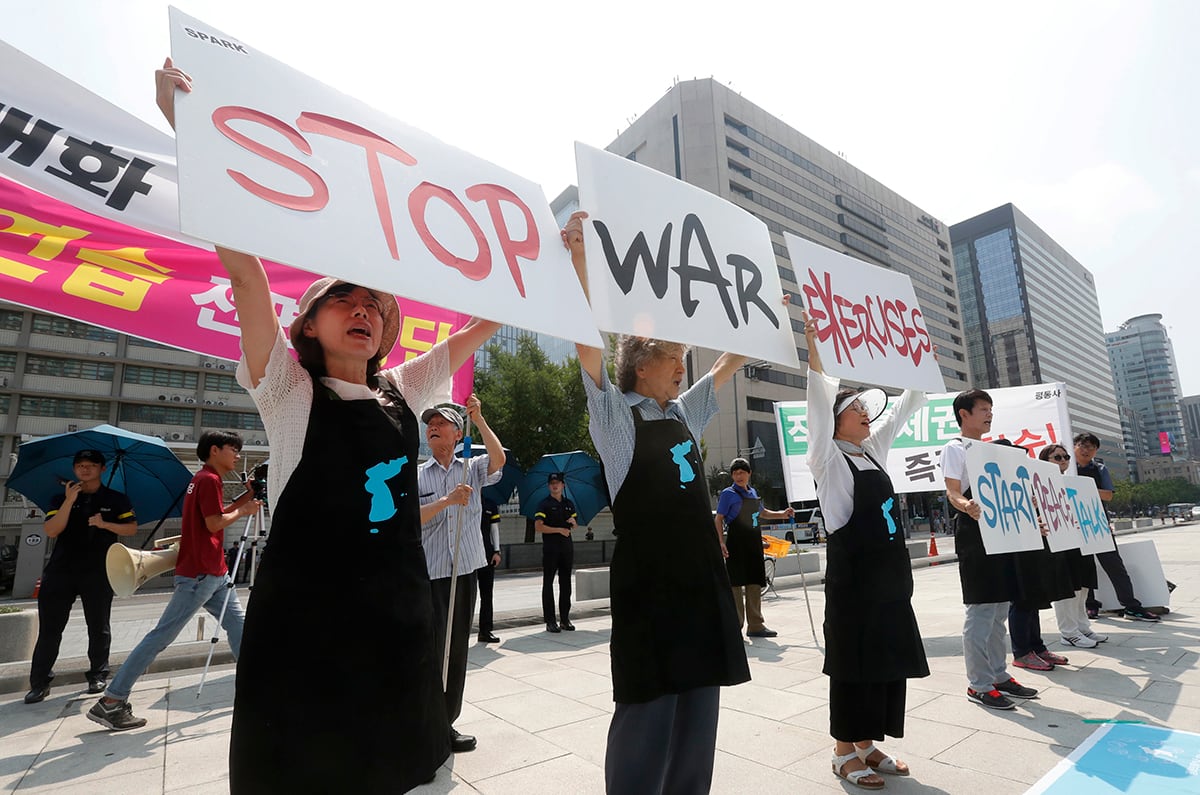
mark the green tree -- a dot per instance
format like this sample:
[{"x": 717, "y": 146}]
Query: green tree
[{"x": 535, "y": 406}]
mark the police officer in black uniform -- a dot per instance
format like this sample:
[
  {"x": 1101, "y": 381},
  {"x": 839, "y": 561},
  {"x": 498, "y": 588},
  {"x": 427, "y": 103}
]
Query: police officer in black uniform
[
  {"x": 555, "y": 519},
  {"x": 489, "y": 525},
  {"x": 85, "y": 521}
]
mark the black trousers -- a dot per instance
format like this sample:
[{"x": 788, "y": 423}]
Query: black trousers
[
  {"x": 558, "y": 557},
  {"x": 464, "y": 611},
  {"x": 57, "y": 596},
  {"x": 1114, "y": 567},
  {"x": 1025, "y": 631},
  {"x": 866, "y": 710},
  {"x": 663, "y": 746},
  {"x": 487, "y": 581}
]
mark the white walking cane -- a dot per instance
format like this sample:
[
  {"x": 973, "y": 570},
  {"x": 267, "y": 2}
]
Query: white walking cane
[
  {"x": 804, "y": 584},
  {"x": 466, "y": 456}
]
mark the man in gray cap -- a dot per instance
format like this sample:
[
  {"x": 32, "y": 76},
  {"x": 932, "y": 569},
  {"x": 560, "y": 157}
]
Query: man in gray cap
[{"x": 451, "y": 504}]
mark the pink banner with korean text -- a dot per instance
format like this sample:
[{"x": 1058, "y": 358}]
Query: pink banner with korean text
[
  {"x": 1028, "y": 416},
  {"x": 65, "y": 261}
]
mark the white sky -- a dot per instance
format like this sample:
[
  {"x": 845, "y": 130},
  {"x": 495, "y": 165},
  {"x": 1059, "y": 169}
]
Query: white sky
[{"x": 1083, "y": 114}]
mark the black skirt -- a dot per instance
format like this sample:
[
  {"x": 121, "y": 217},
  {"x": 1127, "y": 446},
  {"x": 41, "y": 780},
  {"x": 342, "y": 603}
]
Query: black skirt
[{"x": 866, "y": 710}]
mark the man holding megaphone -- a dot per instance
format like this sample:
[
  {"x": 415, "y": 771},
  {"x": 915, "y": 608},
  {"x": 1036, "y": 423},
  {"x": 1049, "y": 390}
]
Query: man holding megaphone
[{"x": 201, "y": 576}]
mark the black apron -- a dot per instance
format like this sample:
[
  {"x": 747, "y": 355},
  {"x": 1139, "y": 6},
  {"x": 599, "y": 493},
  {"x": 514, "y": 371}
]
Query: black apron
[
  {"x": 342, "y": 601},
  {"x": 744, "y": 542},
  {"x": 674, "y": 624},
  {"x": 985, "y": 579},
  {"x": 871, "y": 633}
]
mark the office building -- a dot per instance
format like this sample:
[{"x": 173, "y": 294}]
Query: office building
[
  {"x": 59, "y": 375},
  {"x": 1031, "y": 316},
  {"x": 1190, "y": 406},
  {"x": 710, "y": 136},
  {"x": 1147, "y": 381}
]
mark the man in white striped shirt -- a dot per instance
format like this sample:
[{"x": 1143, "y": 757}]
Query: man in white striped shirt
[{"x": 451, "y": 506}]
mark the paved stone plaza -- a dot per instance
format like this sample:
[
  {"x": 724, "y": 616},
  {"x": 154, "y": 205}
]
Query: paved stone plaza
[{"x": 540, "y": 706}]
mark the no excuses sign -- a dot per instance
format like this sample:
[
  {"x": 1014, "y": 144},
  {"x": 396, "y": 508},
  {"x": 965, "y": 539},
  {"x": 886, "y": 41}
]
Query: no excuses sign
[
  {"x": 869, "y": 325},
  {"x": 274, "y": 163}
]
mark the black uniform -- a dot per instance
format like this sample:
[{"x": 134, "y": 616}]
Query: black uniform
[
  {"x": 76, "y": 569},
  {"x": 872, "y": 642},
  {"x": 487, "y": 575},
  {"x": 558, "y": 557},
  {"x": 285, "y": 736}
]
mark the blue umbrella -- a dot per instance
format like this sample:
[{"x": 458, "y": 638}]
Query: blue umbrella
[
  {"x": 142, "y": 467},
  {"x": 584, "y": 484},
  {"x": 501, "y": 491}
]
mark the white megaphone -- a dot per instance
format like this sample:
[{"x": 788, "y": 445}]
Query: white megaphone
[{"x": 128, "y": 569}]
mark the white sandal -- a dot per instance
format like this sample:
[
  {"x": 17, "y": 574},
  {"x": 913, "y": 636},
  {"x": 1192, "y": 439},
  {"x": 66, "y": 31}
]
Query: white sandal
[
  {"x": 886, "y": 765},
  {"x": 855, "y": 777}
]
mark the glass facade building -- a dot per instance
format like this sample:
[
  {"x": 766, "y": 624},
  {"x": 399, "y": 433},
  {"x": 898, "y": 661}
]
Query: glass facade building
[
  {"x": 1031, "y": 316},
  {"x": 1147, "y": 381}
]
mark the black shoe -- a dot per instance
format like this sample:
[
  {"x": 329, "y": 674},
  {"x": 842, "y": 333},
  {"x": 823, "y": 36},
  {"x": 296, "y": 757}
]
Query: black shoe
[
  {"x": 1014, "y": 688},
  {"x": 1141, "y": 615},
  {"x": 118, "y": 717},
  {"x": 97, "y": 685},
  {"x": 992, "y": 699},
  {"x": 554, "y": 628},
  {"x": 461, "y": 743},
  {"x": 762, "y": 633},
  {"x": 488, "y": 637},
  {"x": 37, "y": 694},
  {"x": 568, "y": 626}
]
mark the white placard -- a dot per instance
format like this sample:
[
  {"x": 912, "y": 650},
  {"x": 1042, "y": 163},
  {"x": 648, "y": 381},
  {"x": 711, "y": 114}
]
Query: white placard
[
  {"x": 1145, "y": 574},
  {"x": 669, "y": 260},
  {"x": 1029, "y": 416},
  {"x": 273, "y": 163},
  {"x": 1000, "y": 485},
  {"x": 1090, "y": 513},
  {"x": 869, "y": 325},
  {"x": 1056, "y": 509}
]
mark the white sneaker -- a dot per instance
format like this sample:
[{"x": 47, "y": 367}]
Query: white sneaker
[
  {"x": 1099, "y": 637},
  {"x": 1082, "y": 641}
]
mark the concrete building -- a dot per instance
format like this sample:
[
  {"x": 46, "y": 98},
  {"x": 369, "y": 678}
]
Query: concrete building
[
  {"x": 59, "y": 375},
  {"x": 1190, "y": 406},
  {"x": 708, "y": 135},
  {"x": 1147, "y": 381},
  {"x": 1163, "y": 467},
  {"x": 1031, "y": 316}
]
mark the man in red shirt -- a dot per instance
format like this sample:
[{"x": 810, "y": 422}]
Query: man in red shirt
[{"x": 201, "y": 576}]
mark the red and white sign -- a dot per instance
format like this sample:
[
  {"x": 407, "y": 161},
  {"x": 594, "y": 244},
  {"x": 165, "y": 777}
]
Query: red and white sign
[
  {"x": 273, "y": 163},
  {"x": 869, "y": 325}
]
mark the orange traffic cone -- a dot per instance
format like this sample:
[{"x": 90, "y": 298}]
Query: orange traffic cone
[
  {"x": 37, "y": 587},
  {"x": 933, "y": 545}
]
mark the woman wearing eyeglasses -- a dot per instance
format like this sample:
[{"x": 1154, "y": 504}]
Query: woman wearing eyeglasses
[
  {"x": 1071, "y": 613},
  {"x": 872, "y": 642}
]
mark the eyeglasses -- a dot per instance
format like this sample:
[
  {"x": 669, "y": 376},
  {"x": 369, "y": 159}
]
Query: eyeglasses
[
  {"x": 1060, "y": 457},
  {"x": 1085, "y": 446}
]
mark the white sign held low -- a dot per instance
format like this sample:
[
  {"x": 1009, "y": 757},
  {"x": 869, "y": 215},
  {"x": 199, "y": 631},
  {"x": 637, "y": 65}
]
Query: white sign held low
[
  {"x": 1090, "y": 513},
  {"x": 1000, "y": 485},
  {"x": 669, "y": 260},
  {"x": 1054, "y": 506},
  {"x": 274, "y": 163}
]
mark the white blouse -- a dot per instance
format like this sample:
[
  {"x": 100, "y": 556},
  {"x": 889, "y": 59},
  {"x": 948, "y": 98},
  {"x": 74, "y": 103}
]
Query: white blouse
[
  {"x": 284, "y": 399},
  {"x": 835, "y": 481}
]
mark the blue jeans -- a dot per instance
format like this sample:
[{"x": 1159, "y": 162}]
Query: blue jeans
[{"x": 191, "y": 594}]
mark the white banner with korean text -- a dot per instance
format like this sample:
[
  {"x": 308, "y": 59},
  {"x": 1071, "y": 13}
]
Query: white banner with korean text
[
  {"x": 670, "y": 260},
  {"x": 274, "y": 163},
  {"x": 869, "y": 325},
  {"x": 1028, "y": 416}
]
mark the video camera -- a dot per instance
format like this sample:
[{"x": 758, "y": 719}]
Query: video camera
[{"x": 256, "y": 482}]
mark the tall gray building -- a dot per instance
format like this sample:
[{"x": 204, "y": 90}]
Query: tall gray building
[
  {"x": 705, "y": 134},
  {"x": 1147, "y": 381},
  {"x": 1031, "y": 316},
  {"x": 1191, "y": 423}
]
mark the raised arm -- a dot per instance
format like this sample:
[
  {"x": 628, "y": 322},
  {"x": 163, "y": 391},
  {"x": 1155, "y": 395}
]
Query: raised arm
[
  {"x": 590, "y": 359},
  {"x": 495, "y": 450},
  {"x": 462, "y": 344},
  {"x": 251, "y": 292}
]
